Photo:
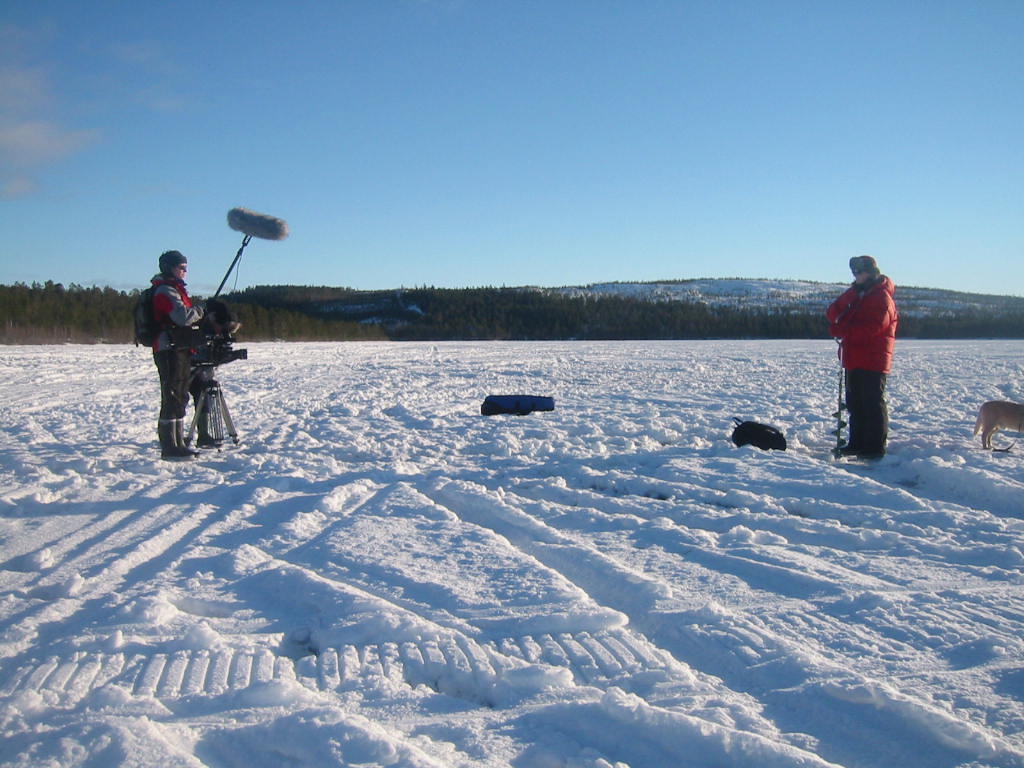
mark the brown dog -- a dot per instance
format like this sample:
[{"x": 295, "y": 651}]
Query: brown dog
[{"x": 995, "y": 415}]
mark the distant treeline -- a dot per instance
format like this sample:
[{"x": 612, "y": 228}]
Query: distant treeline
[
  {"x": 55, "y": 314},
  {"x": 437, "y": 314}
]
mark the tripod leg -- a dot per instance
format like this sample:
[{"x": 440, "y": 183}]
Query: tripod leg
[
  {"x": 206, "y": 417},
  {"x": 211, "y": 427},
  {"x": 227, "y": 418},
  {"x": 200, "y": 412}
]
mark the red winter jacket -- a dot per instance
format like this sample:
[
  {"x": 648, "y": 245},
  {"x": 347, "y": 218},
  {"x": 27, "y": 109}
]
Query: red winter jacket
[
  {"x": 866, "y": 325},
  {"x": 172, "y": 307}
]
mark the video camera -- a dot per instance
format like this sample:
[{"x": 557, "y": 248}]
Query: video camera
[
  {"x": 218, "y": 350},
  {"x": 217, "y": 327}
]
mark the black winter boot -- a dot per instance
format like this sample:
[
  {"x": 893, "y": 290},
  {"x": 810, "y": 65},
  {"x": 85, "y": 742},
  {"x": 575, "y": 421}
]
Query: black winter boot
[
  {"x": 169, "y": 447},
  {"x": 179, "y": 439}
]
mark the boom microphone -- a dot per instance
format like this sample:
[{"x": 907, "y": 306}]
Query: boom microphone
[
  {"x": 257, "y": 224},
  {"x": 252, "y": 224}
]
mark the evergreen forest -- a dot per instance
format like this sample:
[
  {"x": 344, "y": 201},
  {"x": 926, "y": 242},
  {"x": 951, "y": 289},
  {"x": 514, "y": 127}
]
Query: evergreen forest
[{"x": 51, "y": 313}]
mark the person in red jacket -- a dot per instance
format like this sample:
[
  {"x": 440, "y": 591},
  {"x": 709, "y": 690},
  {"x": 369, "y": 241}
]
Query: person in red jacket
[
  {"x": 175, "y": 313},
  {"x": 864, "y": 320}
]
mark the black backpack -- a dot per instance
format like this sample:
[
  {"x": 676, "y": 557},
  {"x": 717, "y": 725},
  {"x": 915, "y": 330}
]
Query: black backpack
[
  {"x": 146, "y": 328},
  {"x": 763, "y": 436}
]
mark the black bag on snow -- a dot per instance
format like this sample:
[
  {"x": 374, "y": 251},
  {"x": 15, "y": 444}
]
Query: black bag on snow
[{"x": 763, "y": 436}]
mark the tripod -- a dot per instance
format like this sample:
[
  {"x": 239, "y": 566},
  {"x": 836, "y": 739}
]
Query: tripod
[{"x": 212, "y": 416}]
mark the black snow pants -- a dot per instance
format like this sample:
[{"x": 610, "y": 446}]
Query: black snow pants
[
  {"x": 869, "y": 414},
  {"x": 174, "y": 366}
]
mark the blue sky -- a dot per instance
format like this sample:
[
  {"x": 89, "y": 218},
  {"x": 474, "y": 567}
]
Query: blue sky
[{"x": 499, "y": 142}]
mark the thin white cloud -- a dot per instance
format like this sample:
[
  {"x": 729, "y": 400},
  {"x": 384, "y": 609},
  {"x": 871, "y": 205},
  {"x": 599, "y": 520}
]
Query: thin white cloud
[
  {"x": 147, "y": 53},
  {"x": 16, "y": 186},
  {"x": 149, "y": 56},
  {"x": 30, "y": 137},
  {"x": 28, "y": 143},
  {"x": 23, "y": 90},
  {"x": 158, "y": 101},
  {"x": 29, "y": 140}
]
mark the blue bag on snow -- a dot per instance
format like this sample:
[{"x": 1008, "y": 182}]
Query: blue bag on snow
[{"x": 520, "y": 405}]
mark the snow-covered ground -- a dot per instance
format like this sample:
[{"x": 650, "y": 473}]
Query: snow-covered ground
[{"x": 381, "y": 576}]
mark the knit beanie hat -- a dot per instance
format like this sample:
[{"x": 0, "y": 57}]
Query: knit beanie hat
[{"x": 169, "y": 260}]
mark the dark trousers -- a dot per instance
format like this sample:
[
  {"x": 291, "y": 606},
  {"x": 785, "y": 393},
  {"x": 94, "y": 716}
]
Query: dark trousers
[
  {"x": 869, "y": 414},
  {"x": 175, "y": 368}
]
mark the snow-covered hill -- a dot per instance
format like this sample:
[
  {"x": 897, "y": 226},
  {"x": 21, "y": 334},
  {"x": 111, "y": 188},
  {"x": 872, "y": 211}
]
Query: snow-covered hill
[{"x": 782, "y": 295}]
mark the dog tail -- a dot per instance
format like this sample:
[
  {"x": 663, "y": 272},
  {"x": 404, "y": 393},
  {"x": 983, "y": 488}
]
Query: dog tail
[{"x": 978, "y": 423}]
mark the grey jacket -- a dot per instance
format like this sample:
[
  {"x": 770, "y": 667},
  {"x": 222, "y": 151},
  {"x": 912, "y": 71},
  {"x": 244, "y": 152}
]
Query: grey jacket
[{"x": 172, "y": 308}]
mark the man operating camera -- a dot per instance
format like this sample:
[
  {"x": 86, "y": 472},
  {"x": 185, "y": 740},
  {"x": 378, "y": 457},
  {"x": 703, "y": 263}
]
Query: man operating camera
[{"x": 175, "y": 314}]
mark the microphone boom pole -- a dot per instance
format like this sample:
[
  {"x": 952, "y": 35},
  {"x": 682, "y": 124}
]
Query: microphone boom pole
[{"x": 245, "y": 242}]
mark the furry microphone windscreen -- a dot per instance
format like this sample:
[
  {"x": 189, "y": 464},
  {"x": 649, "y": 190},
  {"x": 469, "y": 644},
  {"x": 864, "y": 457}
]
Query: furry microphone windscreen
[{"x": 257, "y": 224}]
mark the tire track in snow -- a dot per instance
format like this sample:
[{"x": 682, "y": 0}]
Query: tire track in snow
[
  {"x": 648, "y": 602},
  {"x": 931, "y": 477},
  {"x": 305, "y": 525},
  {"x": 451, "y": 664},
  {"x": 608, "y": 582},
  {"x": 455, "y": 666},
  {"x": 594, "y": 573},
  {"x": 108, "y": 554},
  {"x": 751, "y": 655}
]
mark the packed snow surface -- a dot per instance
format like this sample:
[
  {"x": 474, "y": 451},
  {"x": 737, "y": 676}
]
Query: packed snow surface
[{"x": 380, "y": 576}]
